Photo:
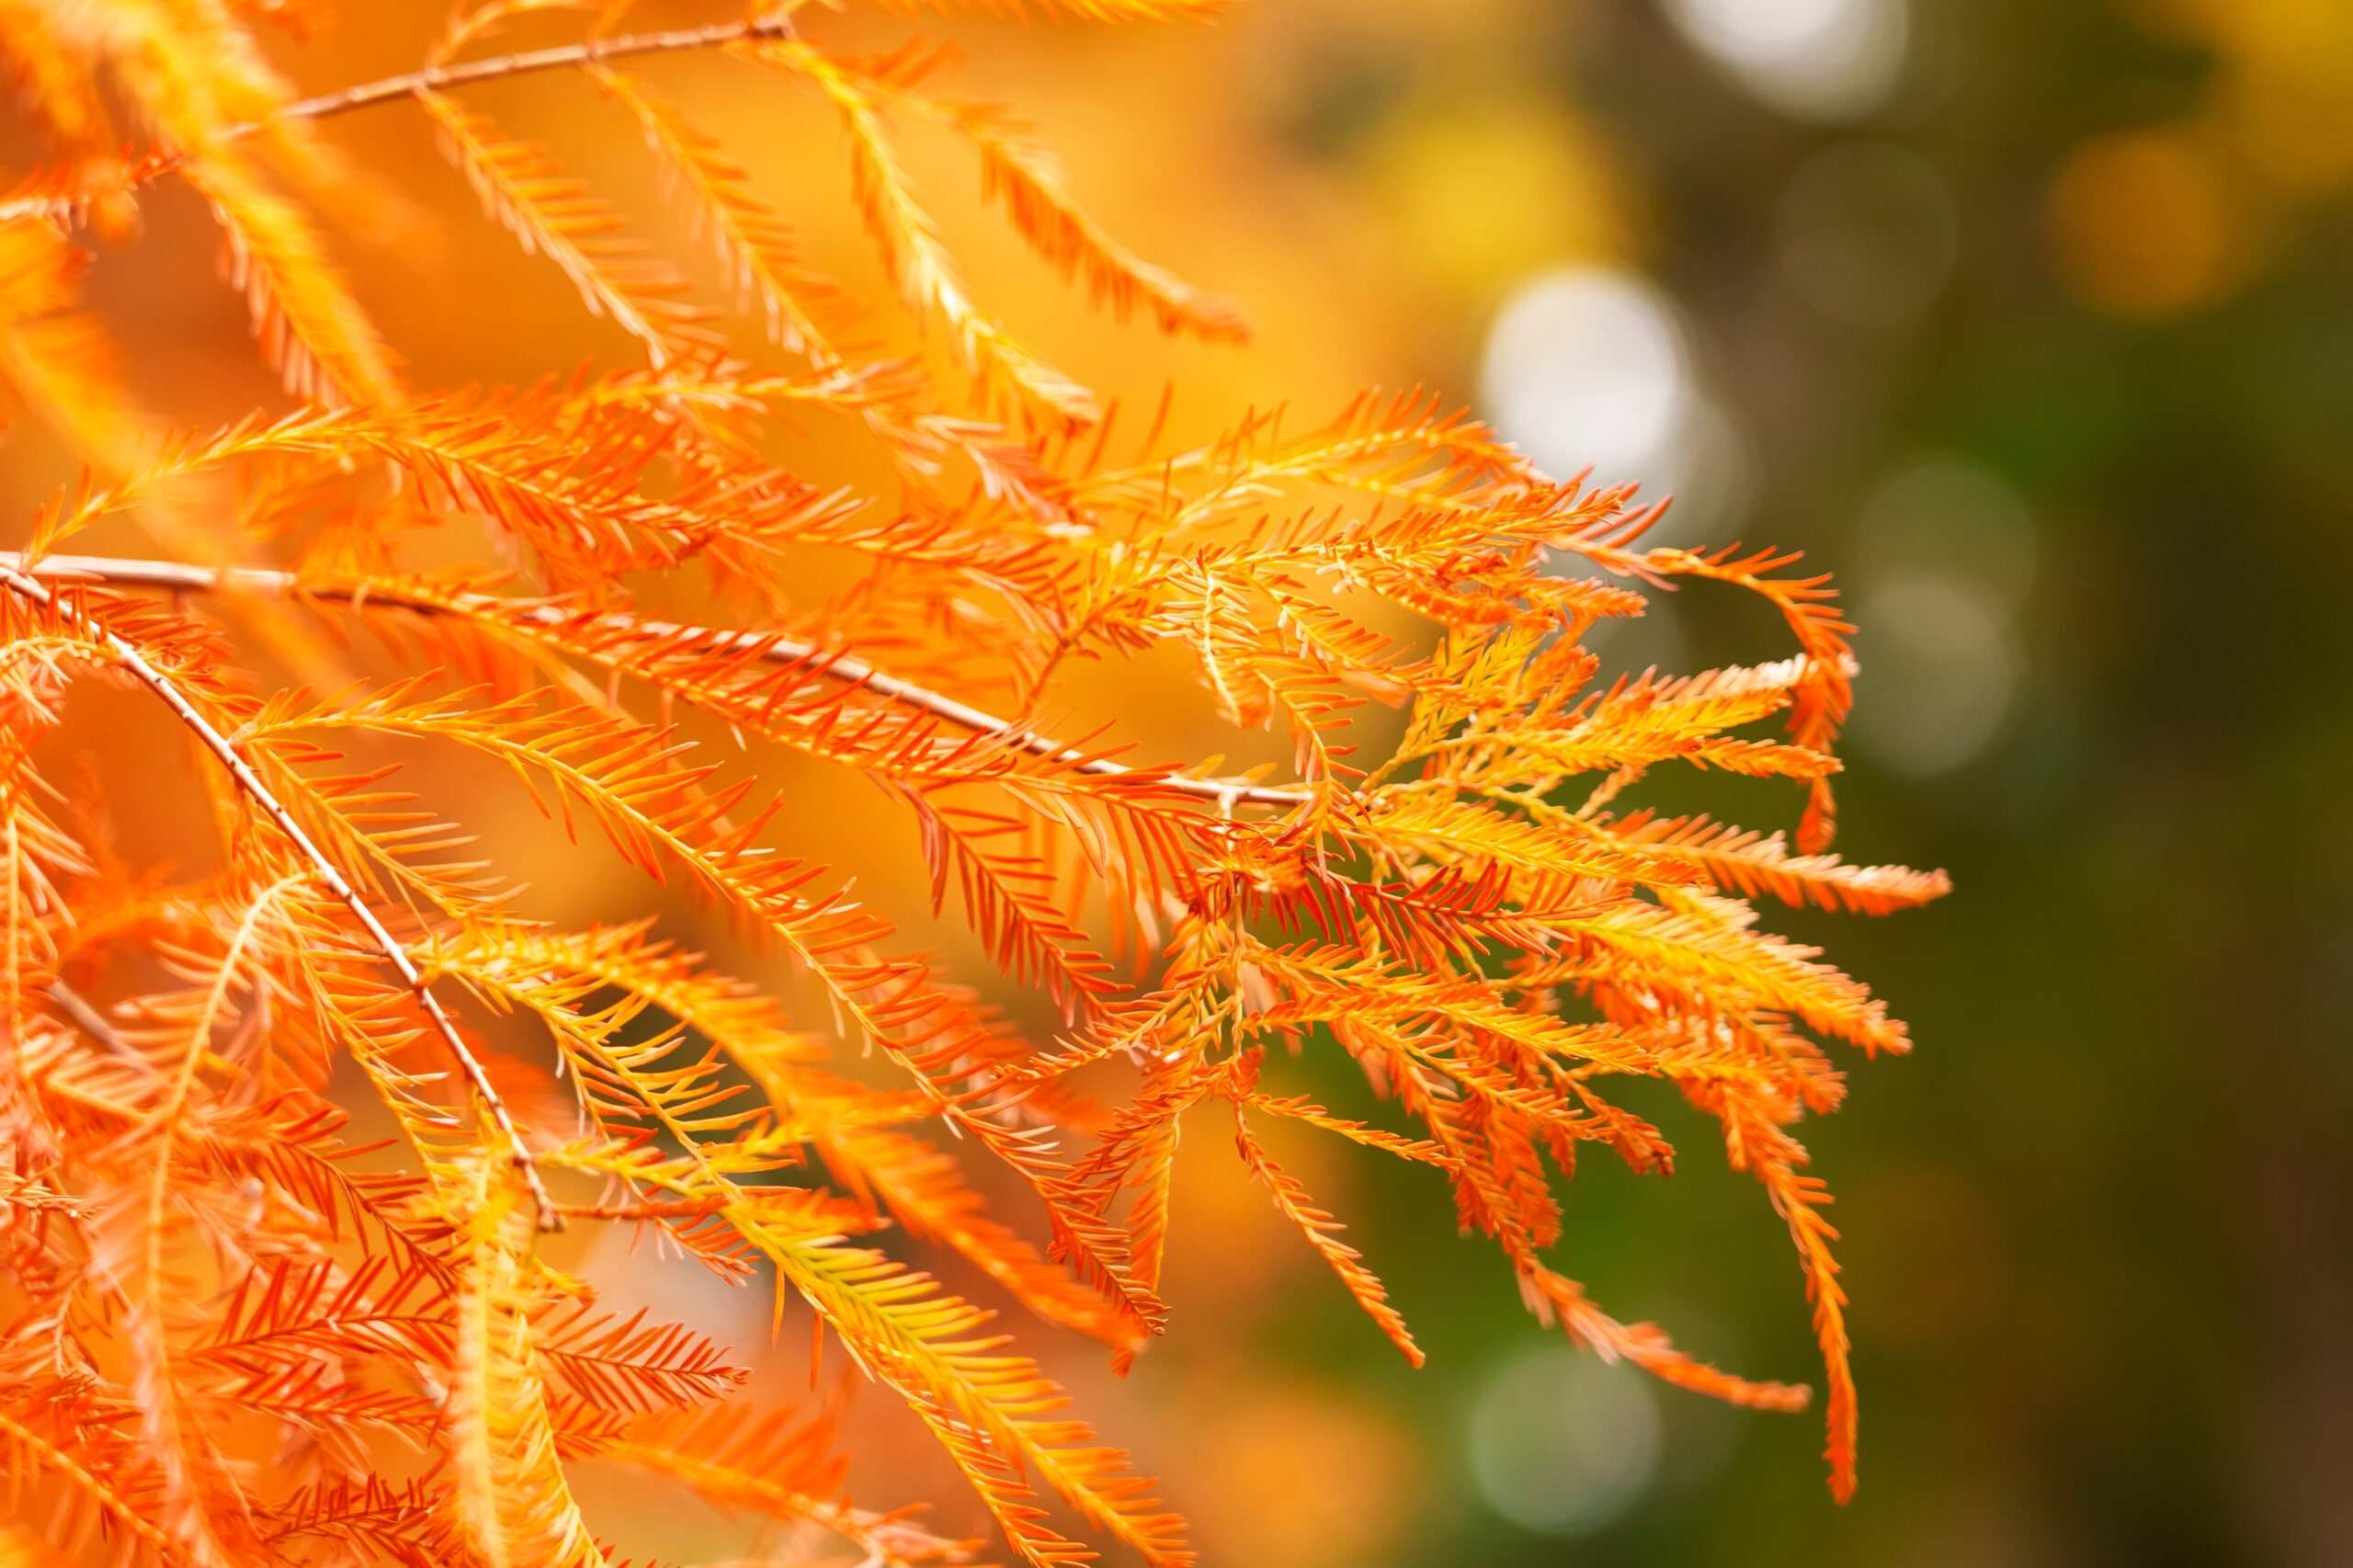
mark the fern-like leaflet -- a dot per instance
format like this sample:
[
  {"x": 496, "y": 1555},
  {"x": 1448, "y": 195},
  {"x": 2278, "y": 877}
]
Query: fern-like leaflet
[{"x": 236, "y": 1338}]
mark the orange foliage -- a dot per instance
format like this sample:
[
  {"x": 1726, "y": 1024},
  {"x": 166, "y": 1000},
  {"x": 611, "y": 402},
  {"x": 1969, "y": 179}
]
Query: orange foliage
[{"x": 232, "y": 1337}]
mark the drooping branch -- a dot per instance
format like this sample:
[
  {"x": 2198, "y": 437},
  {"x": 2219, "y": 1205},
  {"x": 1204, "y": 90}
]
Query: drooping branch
[
  {"x": 263, "y": 582},
  {"x": 135, "y": 665}
]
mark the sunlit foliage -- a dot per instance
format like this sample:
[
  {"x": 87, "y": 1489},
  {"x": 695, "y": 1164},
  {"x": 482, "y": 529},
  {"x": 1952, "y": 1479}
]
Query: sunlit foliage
[{"x": 233, "y": 1335}]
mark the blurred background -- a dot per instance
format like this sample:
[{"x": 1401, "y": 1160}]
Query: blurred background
[{"x": 2034, "y": 322}]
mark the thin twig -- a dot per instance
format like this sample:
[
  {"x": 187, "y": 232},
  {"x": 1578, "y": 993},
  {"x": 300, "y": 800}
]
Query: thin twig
[
  {"x": 592, "y": 52},
  {"x": 269, "y": 584},
  {"x": 154, "y": 165},
  {"x": 220, "y": 746}
]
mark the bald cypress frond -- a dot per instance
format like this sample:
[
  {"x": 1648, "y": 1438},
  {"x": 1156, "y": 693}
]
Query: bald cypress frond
[{"x": 244, "y": 1334}]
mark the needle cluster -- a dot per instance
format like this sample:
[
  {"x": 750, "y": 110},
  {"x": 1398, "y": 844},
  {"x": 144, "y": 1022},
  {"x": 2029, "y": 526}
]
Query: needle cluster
[{"x": 234, "y": 1331}]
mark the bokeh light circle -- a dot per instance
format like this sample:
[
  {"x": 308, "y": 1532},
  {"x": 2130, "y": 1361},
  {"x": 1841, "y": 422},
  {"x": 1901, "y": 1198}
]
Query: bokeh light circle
[
  {"x": 1948, "y": 518},
  {"x": 1561, "y": 1443},
  {"x": 1818, "y": 60},
  {"x": 1867, "y": 232},
  {"x": 1943, "y": 668},
  {"x": 1587, "y": 368}
]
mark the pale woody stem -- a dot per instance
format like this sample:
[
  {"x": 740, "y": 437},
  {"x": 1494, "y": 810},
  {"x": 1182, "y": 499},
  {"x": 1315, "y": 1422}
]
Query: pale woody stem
[
  {"x": 594, "y": 52},
  {"x": 435, "y": 79},
  {"x": 172, "y": 576},
  {"x": 219, "y": 745}
]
